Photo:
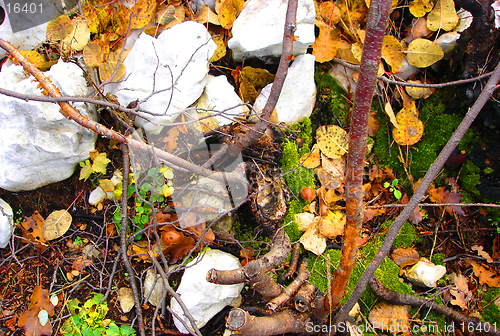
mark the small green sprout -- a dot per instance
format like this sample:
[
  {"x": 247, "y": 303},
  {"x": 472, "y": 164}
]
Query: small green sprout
[{"x": 393, "y": 188}]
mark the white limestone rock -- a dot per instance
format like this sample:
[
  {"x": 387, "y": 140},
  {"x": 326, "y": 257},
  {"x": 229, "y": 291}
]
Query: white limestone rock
[
  {"x": 6, "y": 223},
  {"x": 258, "y": 30},
  {"x": 425, "y": 273},
  {"x": 178, "y": 58},
  {"x": 204, "y": 299},
  {"x": 196, "y": 4},
  {"x": 38, "y": 145},
  {"x": 298, "y": 95},
  {"x": 153, "y": 287},
  {"x": 219, "y": 96}
]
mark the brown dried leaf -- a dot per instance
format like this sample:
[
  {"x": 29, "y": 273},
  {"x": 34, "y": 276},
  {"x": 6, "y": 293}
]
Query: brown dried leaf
[
  {"x": 441, "y": 195},
  {"x": 486, "y": 275},
  {"x": 59, "y": 28},
  {"x": 32, "y": 228},
  {"x": 405, "y": 257},
  {"x": 390, "y": 317},
  {"x": 460, "y": 291},
  {"x": 313, "y": 241},
  {"x": 56, "y": 224},
  {"x": 480, "y": 251},
  {"x": 207, "y": 15},
  {"x": 29, "y": 319},
  {"x": 93, "y": 55}
]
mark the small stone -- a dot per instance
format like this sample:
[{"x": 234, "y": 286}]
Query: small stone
[
  {"x": 97, "y": 196},
  {"x": 425, "y": 273},
  {"x": 126, "y": 299},
  {"x": 155, "y": 293}
]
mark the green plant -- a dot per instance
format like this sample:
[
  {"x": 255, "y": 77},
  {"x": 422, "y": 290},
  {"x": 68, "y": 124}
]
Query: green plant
[
  {"x": 98, "y": 165},
  {"x": 393, "y": 188},
  {"x": 89, "y": 319},
  {"x": 161, "y": 179}
]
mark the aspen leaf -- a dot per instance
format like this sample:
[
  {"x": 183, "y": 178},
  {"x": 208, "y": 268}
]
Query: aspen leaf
[
  {"x": 165, "y": 15},
  {"x": 418, "y": 92},
  {"x": 106, "y": 71},
  {"x": 312, "y": 159},
  {"x": 335, "y": 167},
  {"x": 392, "y": 52},
  {"x": 97, "y": 14},
  {"x": 304, "y": 219},
  {"x": 221, "y": 48},
  {"x": 423, "y": 53},
  {"x": 59, "y": 28},
  {"x": 34, "y": 57},
  {"x": 251, "y": 80},
  {"x": 332, "y": 141},
  {"x": 329, "y": 13},
  {"x": 390, "y": 112},
  {"x": 93, "y": 55},
  {"x": 443, "y": 16},
  {"x": 419, "y": 8},
  {"x": 32, "y": 229},
  {"x": 332, "y": 225},
  {"x": 313, "y": 241},
  {"x": 410, "y": 128},
  {"x": 77, "y": 38},
  {"x": 327, "y": 43},
  {"x": 207, "y": 15},
  {"x": 56, "y": 224},
  {"x": 228, "y": 11},
  {"x": 179, "y": 17}
]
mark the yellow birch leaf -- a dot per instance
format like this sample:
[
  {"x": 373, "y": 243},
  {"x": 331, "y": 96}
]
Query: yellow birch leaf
[
  {"x": 34, "y": 57},
  {"x": 141, "y": 13},
  {"x": 59, "y": 28},
  {"x": 423, "y": 53},
  {"x": 327, "y": 43},
  {"x": 228, "y": 11},
  {"x": 251, "y": 80},
  {"x": 179, "y": 17},
  {"x": 207, "y": 15},
  {"x": 392, "y": 52},
  {"x": 418, "y": 8},
  {"x": 443, "y": 16},
  {"x": 93, "y": 55},
  {"x": 221, "y": 48},
  {"x": 410, "y": 128},
  {"x": 78, "y": 38},
  {"x": 390, "y": 112},
  {"x": 332, "y": 225},
  {"x": 418, "y": 92}
]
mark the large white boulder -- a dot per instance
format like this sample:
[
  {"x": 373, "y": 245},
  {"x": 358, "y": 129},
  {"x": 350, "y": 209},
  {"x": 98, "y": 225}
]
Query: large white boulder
[
  {"x": 298, "y": 94},
  {"x": 258, "y": 30},
  {"x": 38, "y": 145},
  {"x": 168, "y": 73},
  {"x": 6, "y": 223},
  {"x": 204, "y": 299}
]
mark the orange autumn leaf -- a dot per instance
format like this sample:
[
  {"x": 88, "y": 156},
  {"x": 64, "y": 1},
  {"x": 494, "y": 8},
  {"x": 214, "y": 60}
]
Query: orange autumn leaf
[
  {"x": 485, "y": 274},
  {"x": 410, "y": 128},
  {"x": 312, "y": 159},
  {"x": 441, "y": 195},
  {"x": 29, "y": 319},
  {"x": 32, "y": 229}
]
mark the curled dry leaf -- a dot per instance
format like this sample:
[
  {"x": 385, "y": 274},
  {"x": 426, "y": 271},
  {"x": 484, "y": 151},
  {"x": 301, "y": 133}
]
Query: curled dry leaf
[
  {"x": 29, "y": 320},
  {"x": 56, "y": 224},
  {"x": 32, "y": 229},
  {"x": 410, "y": 128},
  {"x": 332, "y": 141},
  {"x": 480, "y": 251}
]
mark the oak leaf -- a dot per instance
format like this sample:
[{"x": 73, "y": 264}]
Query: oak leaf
[
  {"x": 390, "y": 317},
  {"x": 485, "y": 274},
  {"x": 459, "y": 291}
]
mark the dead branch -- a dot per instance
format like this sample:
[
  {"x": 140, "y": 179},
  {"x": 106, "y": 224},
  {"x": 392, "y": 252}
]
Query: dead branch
[
  {"x": 419, "y": 194},
  {"x": 293, "y": 264},
  {"x": 71, "y": 113},
  {"x": 280, "y": 249},
  {"x": 291, "y": 289},
  {"x": 283, "y": 322},
  {"x": 378, "y": 17},
  {"x": 406, "y": 299},
  {"x": 305, "y": 296}
]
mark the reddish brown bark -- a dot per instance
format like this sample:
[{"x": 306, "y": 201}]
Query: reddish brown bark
[{"x": 378, "y": 17}]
